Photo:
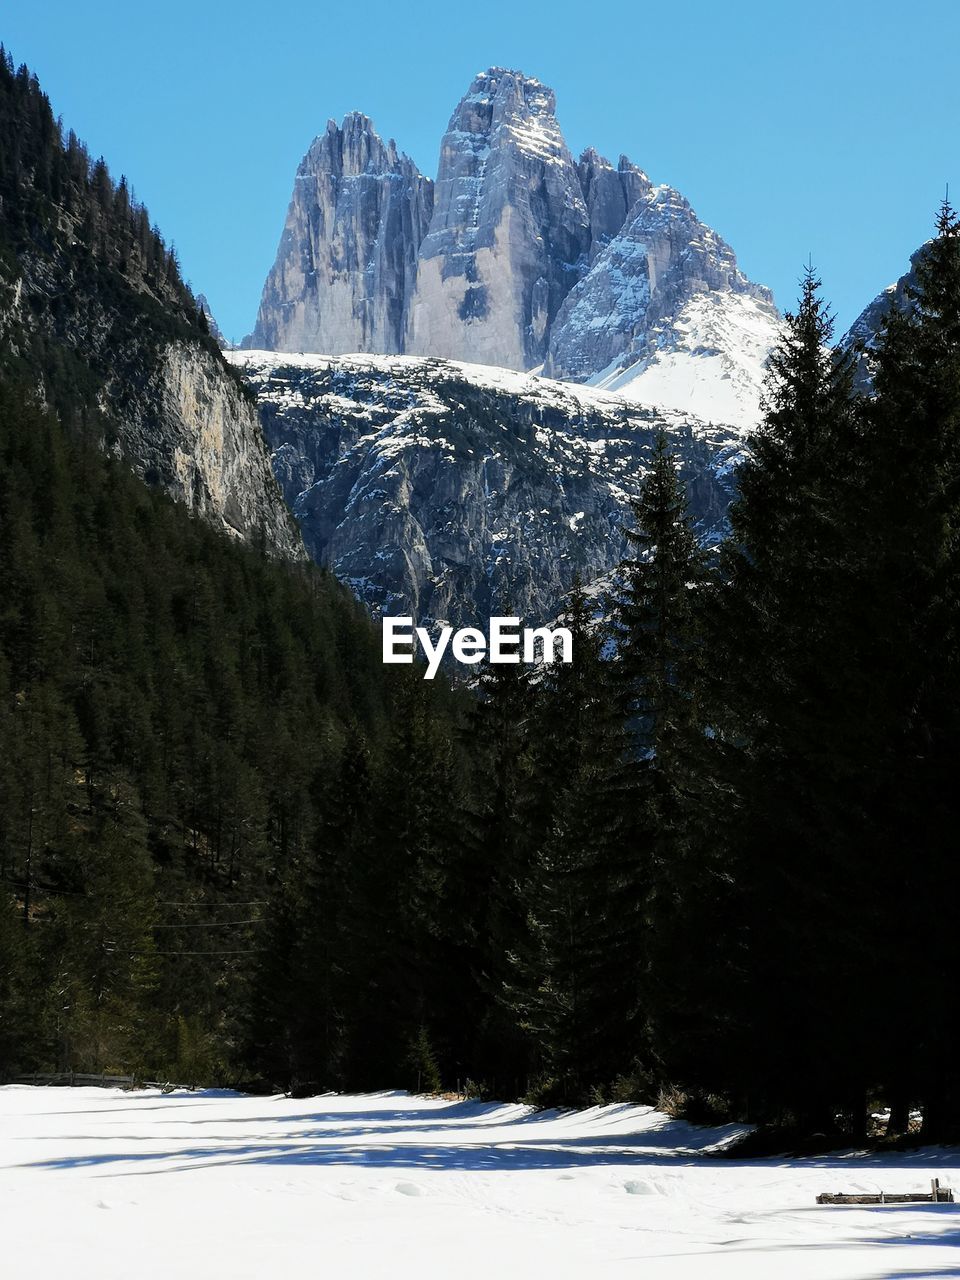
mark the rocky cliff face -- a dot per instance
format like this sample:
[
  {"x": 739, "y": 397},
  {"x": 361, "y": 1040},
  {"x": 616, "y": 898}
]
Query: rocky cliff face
[
  {"x": 100, "y": 340},
  {"x": 347, "y": 258},
  {"x": 192, "y": 429},
  {"x": 609, "y": 195},
  {"x": 528, "y": 257},
  {"x": 862, "y": 335},
  {"x": 453, "y": 492},
  {"x": 510, "y": 231},
  {"x": 665, "y": 298}
]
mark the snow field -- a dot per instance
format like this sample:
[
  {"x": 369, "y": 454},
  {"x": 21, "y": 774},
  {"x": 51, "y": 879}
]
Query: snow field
[{"x": 101, "y": 1183}]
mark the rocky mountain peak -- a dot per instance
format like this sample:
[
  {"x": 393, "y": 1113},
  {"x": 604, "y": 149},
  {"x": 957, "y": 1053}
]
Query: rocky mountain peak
[
  {"x": 212, "y": 327},
  {"x": 666, "y": 315},
  {"x": 500, "y": 85},
  {"x": 609, "y": 195},
  {"x": 351, "y": 149},
  {"x": 348, "y": 252},
  {"x": 510, "y": 230},
  {"x": 520, "y": 256}
]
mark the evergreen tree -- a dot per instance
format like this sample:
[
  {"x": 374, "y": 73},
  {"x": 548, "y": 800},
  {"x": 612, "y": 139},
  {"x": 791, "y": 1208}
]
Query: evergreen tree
[
  {"x": 792, "y": 701},
  {"x": 576, "y": 982},
  {"x": 912, "y": 519},
  {"x": 506, "y": 836},
  {"x": 658, "y": 630}
]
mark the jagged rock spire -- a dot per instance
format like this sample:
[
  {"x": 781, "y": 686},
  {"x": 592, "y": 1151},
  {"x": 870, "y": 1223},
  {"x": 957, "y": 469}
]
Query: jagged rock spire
[
  {"x": 510, "y": 230},
  {"x": 348, "y": 252}
]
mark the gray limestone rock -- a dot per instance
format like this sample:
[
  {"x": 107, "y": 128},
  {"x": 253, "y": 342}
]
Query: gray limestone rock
[
  {"x": 522, "y": 257},
  {"x": 348, "y": 252},
  {"x": 214, "y": 329},
  {"x": 510, "y": 233},
  {"x": 622, "y": 308},
  {"x": 453, "y": 493},
  {"x": 861, "y": 337},
  {"x": 609, "y": 195}
]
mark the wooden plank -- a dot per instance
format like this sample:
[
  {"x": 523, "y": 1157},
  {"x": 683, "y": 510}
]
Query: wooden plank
[{"x": 936, "y": 1195}]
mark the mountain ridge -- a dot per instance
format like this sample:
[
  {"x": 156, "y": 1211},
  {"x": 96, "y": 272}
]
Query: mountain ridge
[
  {"x": 519, "y": 255},
  {"x": 453, "y": 492}
]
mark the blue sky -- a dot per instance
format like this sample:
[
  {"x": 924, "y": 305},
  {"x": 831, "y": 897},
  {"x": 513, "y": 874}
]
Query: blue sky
[{"x": 817, "y": 128}]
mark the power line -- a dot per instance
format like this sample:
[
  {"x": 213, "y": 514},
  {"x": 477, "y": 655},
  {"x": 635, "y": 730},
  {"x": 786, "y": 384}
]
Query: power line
[
  {"x": 113, "y": 950},
  {"x": 252, "y": 951},
  {"x": 207, "y": 924},
  {"x": 256, "y": 902},
  {"x": 35, "y": 887}
]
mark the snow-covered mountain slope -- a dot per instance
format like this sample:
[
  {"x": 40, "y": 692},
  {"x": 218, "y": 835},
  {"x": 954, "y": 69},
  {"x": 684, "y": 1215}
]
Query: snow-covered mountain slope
[
  {"x": 666, "y": 311},
  {"x": 709, "y": 360},
  {"x": 454, "y": 491},
  {"x": 104, "y": 1184}
]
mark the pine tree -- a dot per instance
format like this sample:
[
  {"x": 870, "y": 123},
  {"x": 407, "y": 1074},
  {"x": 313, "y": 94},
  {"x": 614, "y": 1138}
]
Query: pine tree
[
  {"x": 106, "y": 924},
  {"x": 506, "y": 839},
  {"x": 16, "y": 1012},
  {"x": 912, "y": 518},
  {"x": 576, "y": 978},
  {"x": 658, "y": 630},
  {"x": 791, "y": 701},
  {"x": 656, "y": 618}
]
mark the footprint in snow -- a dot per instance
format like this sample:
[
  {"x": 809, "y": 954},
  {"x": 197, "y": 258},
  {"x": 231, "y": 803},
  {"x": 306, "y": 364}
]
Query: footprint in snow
[{"x": 408, "y": 1189}]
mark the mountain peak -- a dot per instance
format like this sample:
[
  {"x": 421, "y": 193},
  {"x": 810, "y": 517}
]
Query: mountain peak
[
  {"x": 509, "y": 228},
  {"x": 358, "y": 213},
  {"x": 496, "y": 77},
  {"x": 491, "y": 263},
  {"x": 351, "y": 148}
]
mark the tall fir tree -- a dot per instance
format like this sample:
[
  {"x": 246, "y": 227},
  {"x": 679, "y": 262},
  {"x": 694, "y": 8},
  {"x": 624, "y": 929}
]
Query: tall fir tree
[
  {"x": 791, "y": 699},
  {"x": 657, "y": 626},
  {"x": 912, "y": 519},
  {"x": 576, "y": 976},
  {"x": 503, "y": 729}
]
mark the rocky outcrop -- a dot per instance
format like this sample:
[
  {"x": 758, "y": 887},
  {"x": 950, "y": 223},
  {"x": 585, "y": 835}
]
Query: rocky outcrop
[
  {"x": 216, "y": 333},
  {"x": 510, "y": 232},
  {"x": 130, "y": 360},
  {"x": 609, "y": 195},
  {"x": 191, "y": 429},
  {"x": 861, "y": 338},
  {"x": 661, "y": 278},
  {"x": 454, "y": 492},
  {"x": 348, "y": 253}
]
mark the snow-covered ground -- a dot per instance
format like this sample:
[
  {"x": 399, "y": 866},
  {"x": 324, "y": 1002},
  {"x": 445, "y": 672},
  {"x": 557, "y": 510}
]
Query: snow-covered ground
[
  {"x": 100, "y": 1183},
  {"x": 712, "y": 362}
]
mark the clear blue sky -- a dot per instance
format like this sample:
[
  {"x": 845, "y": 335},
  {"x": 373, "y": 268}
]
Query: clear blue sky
[{"x": 793, "y": 128}]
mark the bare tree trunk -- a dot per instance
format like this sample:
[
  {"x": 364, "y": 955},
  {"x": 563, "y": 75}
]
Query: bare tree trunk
[{"x": 899, "y": 1121}]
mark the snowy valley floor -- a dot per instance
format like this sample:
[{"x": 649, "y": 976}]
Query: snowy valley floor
[{"x": 99, "y": 1183}]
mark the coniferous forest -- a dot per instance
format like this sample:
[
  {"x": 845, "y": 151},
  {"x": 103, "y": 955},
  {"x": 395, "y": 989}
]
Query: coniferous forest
[{"x": 713, "y": 860}]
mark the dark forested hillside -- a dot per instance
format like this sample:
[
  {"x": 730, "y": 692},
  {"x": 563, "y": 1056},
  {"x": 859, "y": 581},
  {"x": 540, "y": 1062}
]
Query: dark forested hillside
[
  {"x": 94, "y": 315},
  {"x": 173, "y": 711}
]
